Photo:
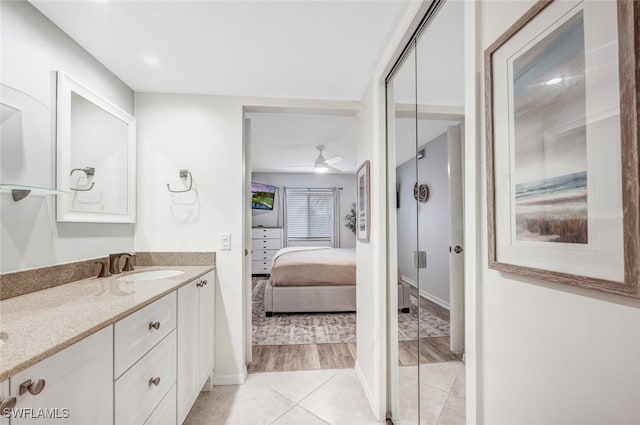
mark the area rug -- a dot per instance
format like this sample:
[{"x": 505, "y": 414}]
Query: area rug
[{"x": 320, "y": 328}]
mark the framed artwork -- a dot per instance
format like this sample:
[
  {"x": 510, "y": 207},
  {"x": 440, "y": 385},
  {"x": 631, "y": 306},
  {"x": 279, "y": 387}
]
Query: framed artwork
[
  {"x": 561, "y": 99},
  {"x": 363, "y": 225}
]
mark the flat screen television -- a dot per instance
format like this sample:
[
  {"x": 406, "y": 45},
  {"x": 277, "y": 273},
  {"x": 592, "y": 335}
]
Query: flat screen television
[{"x": 262, "y": 196}]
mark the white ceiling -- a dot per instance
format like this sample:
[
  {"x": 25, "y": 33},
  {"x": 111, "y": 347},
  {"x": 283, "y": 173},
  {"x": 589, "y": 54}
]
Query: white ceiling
[
  {"x": 286, "y": 143},
  {"x": 295, "y": 48}
]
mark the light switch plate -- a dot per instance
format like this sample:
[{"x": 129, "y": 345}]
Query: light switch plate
[{"x": 225, "y": 241}]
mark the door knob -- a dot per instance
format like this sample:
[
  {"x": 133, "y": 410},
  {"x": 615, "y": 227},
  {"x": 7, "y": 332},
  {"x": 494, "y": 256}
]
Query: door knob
[{"x": 458, "y": 249}]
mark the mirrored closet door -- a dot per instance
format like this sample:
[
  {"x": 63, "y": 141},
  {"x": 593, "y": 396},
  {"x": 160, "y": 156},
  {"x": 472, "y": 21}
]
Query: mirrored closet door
[{"x": 425, "y": 116}]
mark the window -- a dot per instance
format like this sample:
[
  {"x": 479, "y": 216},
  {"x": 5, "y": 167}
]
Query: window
[{"x": 310, "y": 214}]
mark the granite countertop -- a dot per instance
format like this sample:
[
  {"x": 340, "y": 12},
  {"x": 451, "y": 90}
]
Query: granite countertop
[{"x": 36, "y": 325}]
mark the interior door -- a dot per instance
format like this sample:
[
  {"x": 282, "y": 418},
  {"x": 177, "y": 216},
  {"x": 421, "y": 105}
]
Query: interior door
[
  {"x": 456, "y": 256},
  {"x": 425, "y": 114},
  {"x": 403, "y": 239}
]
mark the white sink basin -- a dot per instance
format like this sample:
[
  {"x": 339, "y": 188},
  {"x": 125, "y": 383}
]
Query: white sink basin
[{"x": 151, "y": 275}]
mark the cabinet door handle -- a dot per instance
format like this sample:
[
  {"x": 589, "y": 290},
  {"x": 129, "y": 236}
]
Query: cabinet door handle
[
  {"x": 6, "y": 404},
  {"x": 204, "y": 282},
  {"x": 154, "y": 381},
  {"x": 33, "y": 388},
  {"x": 154, "y": 325}
]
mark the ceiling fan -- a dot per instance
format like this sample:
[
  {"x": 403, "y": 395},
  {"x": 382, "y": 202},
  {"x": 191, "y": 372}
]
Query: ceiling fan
[{"x": 323, "y": 165}]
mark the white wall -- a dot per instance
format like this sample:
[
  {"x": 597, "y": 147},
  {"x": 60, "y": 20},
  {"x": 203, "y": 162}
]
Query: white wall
[
  {"x": 274, "y": 218},
  {"x": 205, "y": 135},
  {"x": 548, "y": 353},
  {"x": 432, "y": 219},
  {"x": 32, "y": 47}
]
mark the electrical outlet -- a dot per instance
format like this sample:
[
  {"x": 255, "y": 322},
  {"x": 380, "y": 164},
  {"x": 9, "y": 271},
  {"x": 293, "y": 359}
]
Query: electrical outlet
[{"x": 225, "y": 241}]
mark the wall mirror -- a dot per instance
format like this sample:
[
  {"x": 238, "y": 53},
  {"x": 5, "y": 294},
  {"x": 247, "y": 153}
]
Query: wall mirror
[{"x": 96, "y": 156}]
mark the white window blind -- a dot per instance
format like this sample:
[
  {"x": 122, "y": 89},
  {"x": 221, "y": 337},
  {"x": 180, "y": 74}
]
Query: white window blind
[{"x": 310, "y": 214}]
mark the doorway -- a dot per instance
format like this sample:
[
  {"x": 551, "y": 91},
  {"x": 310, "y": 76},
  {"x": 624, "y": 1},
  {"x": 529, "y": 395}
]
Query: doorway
[
  {"x": 425, "y": 127},
  {"x": 302, "y": 186}
]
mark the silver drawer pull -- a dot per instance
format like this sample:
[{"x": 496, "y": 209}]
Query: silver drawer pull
[
  {"x": 33, "y": 388},
  {"x": 204, "y": 282},
  {"x": 6, "y": 404},
  {"x": 154, "y": 381},
  {"x": 154, "y": 325}
]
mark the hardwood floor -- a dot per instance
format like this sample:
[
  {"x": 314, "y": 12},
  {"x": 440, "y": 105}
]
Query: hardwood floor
[
  {"x": 280, "y": 358},
  {"x": 431, "y": 350}
]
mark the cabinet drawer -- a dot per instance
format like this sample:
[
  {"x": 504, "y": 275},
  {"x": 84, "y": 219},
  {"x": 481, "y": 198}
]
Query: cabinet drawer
[
  {"x": 136, "y": 396},
  {"x": 265, "y": 233},
  {"x": 257, "y": 267},
  {"x": 265, "y": 244},
  {"x": 263, "y": 254},
  {"x": 165, "y": 413},
  {"x": 135, "y": 335}
]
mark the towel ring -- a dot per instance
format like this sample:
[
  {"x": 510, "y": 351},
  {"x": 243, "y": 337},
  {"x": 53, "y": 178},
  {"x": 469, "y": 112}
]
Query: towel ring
[
  {"x": 183, "y": 174},
  {"x": 88, "y": 171}
]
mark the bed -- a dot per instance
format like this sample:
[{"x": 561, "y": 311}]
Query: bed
[{"x": 316, "y": 279}]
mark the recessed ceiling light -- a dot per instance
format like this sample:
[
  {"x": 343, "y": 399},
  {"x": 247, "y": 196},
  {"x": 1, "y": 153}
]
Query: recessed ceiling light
[
  {"x": 151, "y": 60},
  {"x": 554, "y": 81}
]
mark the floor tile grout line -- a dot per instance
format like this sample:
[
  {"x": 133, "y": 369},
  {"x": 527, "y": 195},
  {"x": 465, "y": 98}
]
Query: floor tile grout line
[
  {"x": 442, "y": 409},
  {"x": 336, "y": 371},
  {"x": 314, "y": 415},
  {"x": 314, "y": 390},
  {"x": 285, "y": 412}
]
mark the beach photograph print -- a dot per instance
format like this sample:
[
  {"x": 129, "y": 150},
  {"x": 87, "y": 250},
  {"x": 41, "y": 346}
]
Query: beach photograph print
[{"x": 549, "y": 178}]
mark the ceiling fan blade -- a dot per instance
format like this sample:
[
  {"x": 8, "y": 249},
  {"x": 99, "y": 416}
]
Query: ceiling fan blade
[
  {"x": 334, "y": 169},
  {"x": 333, "y": 160}
]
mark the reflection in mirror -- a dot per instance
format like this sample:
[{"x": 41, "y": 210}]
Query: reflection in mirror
[
  {"x": 401, "y": 104},
  {"x": 425, "y": 116},
  {"x": 96, "y": 156},
  {"x": 440, "y": 117}
]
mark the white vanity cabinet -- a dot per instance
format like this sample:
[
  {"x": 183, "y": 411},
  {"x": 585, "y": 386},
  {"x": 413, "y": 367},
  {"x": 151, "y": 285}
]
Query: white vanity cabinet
[
  {"x": 5, "y": 402},
  {"x": 145, "y": 361},
  {"x": 195, "y": 340},
  {"x": 146, "y": 369},
  {"x": 78, "y": 385}
]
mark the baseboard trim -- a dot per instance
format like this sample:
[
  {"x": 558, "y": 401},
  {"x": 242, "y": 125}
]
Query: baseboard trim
[
  {"x": 231, "y": 379},
  {"x": 365, "y": 386},
  {"x": 425, "y": 294}
]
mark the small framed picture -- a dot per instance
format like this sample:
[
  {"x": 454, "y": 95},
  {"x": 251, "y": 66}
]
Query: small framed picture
[
  {"x": 562, "y": 145},
  {"x": 364, "y": 204}
]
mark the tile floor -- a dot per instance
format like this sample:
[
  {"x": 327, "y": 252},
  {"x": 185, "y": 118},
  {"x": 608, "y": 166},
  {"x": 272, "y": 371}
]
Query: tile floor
[
  {"x": 330, "y": 397},
  {"x": 442, "y": 394}
]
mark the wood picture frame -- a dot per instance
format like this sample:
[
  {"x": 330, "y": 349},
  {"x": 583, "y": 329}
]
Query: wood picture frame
[
  {"x": 555, "y": 209},
  {"x": 363, "y": 204}
]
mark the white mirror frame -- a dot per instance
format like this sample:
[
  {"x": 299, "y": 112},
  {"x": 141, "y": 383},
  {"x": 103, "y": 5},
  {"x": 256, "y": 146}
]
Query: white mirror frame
[{"x": 65, "y": 86}]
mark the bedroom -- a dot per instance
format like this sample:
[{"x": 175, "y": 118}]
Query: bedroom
[{"x": 303, "y": 187}]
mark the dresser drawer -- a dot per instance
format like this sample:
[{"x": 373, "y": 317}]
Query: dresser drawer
[
  {"x": 138, "y": 333},
  {"x": 258, "y": 267},
  {"x": 165, "y": 413},
  {"x": 263, "y": 254},
  {"x": 136, "y": 397},
  {"x": 265, "y": 233},
  {"x": 265, "y": 244}
]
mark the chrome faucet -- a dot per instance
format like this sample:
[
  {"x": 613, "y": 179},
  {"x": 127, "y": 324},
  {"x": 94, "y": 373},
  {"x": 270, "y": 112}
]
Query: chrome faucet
[{"x": 114, "y": 263}]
